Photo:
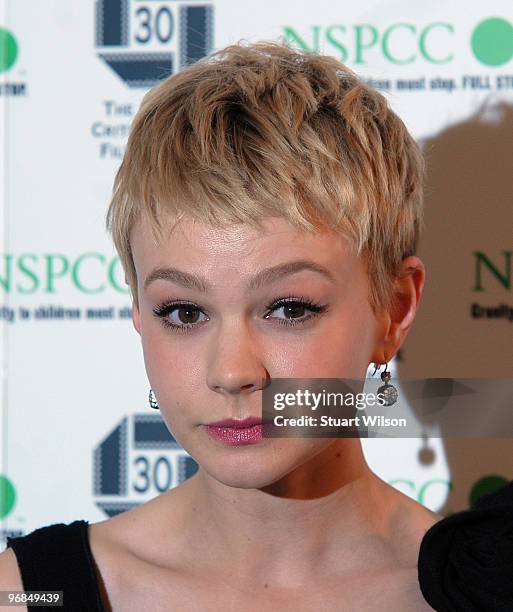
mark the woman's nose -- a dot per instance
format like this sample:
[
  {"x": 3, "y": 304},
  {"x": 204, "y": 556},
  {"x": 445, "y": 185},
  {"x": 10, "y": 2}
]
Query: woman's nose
[{"x": 236, "y": 363}]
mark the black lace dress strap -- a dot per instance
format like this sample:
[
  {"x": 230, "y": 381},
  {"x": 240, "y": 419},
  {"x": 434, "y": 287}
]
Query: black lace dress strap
[
  {"x": 466, "y": 560},
  {"x": 58, "y": 558}
]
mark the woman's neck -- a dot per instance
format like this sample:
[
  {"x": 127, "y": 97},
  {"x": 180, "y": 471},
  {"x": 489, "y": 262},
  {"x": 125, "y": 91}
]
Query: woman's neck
[{"x": 328, "y": 510}]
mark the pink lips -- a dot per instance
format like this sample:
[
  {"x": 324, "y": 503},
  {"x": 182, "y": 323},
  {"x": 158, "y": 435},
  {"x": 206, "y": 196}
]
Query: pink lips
[{"x": 237, "y": 432}]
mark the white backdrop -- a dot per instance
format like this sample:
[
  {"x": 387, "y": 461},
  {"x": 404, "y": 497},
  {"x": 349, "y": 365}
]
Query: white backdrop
[{"x": 78, "y": 437}]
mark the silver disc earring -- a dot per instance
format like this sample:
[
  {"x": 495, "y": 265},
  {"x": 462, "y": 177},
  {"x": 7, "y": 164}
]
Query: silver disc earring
[
  {"x": 389, "y": 391},
  {"x": 153, "y": 400}
]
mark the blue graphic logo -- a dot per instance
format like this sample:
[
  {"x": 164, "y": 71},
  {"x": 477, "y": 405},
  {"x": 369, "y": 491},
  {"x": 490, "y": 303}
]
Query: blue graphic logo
[
  {"x": 138, "y": 460},
  {"x": 144, "y": 41}
]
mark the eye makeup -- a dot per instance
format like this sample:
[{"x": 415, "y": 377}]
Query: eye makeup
[{"x": 290, "y": 304}]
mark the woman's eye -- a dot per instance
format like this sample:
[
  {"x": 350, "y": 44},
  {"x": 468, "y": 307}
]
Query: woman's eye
[
  {"x": 184, "y": 315},
  {"x": 294, "y": 311},
  {"x": 179, "y": 317}
]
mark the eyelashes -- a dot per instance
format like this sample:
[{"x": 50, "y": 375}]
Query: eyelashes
[
  {"x": 290, "y": 304},
  {"x": 164, "y": 310}
]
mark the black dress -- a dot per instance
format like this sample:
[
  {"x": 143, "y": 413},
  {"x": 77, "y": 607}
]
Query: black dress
[
  {"x": 465, "y": 561},
  {"x": 58, "y": 558}
]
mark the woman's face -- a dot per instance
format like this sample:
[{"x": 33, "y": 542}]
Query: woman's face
[{"x": 219, "y": 312}]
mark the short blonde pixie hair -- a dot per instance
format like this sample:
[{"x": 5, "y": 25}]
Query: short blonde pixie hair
[{"x": 262, "y": 129}]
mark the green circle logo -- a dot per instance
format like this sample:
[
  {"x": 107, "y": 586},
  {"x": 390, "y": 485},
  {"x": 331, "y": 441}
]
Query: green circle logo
[
  {"x": 492, "y": 41},
  {"x": 7, "y": 496},
  {"x": 8, "y": 50},
  {"x": 487, "y": 484}
]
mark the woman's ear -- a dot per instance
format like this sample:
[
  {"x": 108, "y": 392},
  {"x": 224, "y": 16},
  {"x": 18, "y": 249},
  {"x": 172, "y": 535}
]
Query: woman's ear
[
  {"x": 396, "y": 322},
  {"x": 136, "y": 316}
]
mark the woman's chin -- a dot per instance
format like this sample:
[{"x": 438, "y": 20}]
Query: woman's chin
[{"x": 244, "y": 470}]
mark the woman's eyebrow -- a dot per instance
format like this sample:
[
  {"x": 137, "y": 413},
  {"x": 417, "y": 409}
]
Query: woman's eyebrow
[{"x": 263, "y": 277}]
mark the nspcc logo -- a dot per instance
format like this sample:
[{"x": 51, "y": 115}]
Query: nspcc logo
[
  {"x": 405, "y": 43},
  {"x": 144, "y": 41}
]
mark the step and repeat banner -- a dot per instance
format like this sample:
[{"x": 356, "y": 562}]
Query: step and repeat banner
[{"x": 78, "y": 438}]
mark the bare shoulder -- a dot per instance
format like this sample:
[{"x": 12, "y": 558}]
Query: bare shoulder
[
  {"x": 10, "y": 577},
  {"x": 409, "y": 521},
  {"x": 140, "y": 531},
  {"x": 398, "y": 587},
  {"x": 401, "y": 591},
  {"x": 112, "y": 558},
  {"x": 116, "y": 552},
  {"x": 129, "y": 549}
]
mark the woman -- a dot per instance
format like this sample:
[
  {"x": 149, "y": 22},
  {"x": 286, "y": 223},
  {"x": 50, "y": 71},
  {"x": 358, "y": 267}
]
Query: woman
[{"x": 266, "y": 213}]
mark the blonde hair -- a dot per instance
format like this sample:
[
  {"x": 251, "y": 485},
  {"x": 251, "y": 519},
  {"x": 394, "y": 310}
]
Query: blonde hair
[{"x": 262, "y": 129}]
